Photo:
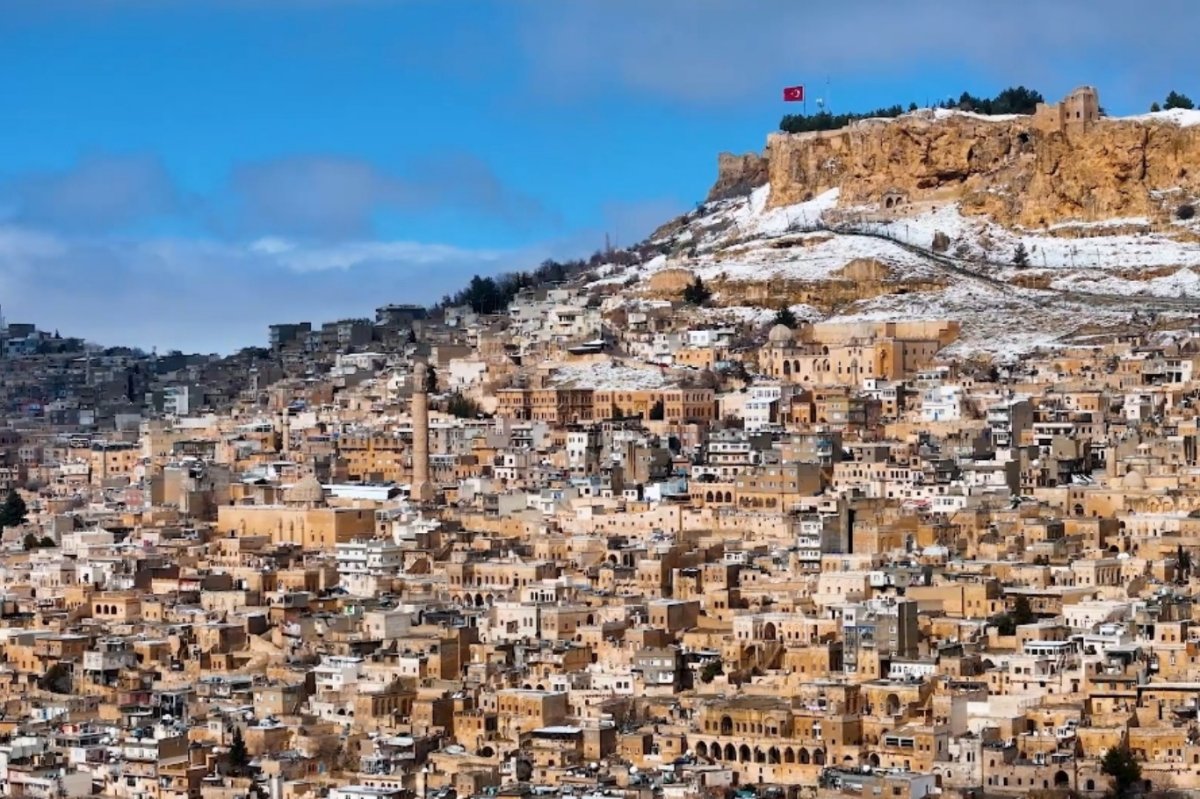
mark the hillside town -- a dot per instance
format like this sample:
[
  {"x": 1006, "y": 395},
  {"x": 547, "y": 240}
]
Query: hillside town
[{"x": 595, "y": 545}]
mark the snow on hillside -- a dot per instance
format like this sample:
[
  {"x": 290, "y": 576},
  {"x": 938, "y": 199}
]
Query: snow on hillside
[
  {"x": 742, "y": 240},
  {"x": 1181, "y": 283},
  {"x": 990, "y": 317},
  {"x": 947, "y": 113},
  {"x": 754, "y": 220},
  {"x": 610, "y": 375},
  {"x": 757, "y": 316},
  {"x": 746, "y": 241},
  {"x": 813, "y": 257},
  {"x": 983, "y": 239},
  {"x": 1183, "y": 117}
]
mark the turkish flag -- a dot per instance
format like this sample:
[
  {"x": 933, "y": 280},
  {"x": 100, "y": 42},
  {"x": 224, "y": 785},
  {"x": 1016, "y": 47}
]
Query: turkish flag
[{"x": 793, "y": 94}]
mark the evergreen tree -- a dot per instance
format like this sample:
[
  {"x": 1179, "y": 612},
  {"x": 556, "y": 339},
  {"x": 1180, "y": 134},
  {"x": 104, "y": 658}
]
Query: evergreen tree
[
  {"x": 13, "y": 512},
  {"x": 30, "y": 542},
  {"x": 696, "y": 292},
  {"x": 431, "y": 379},
  {"x": 56, "y": 679},
  {"x": 1013, "y": 100},
  {"x": 1183, "y": 561},
  {"x": 1177, "y": 100},
  {"x": 784, "y": 316},
  {"x": 462, "y": 407},
  {"x": 239, "y": 757},
  {"x": 1020, "y": 255},
  {"x": 1155, "y": 107},
  {"x": 1022, "y": 612},
  {"x": 1004, "y": 624},
  {"x": 1126, "y": 772}
]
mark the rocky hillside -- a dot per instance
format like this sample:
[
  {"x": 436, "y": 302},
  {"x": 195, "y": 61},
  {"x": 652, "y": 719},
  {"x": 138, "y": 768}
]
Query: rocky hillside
[
  {"x": 1009, "y": 168},
  {"x": 1027, "y": 234}
]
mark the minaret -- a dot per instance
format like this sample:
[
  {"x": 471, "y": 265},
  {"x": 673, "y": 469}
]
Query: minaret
[
  {"x": 285, "y": 436},
  {"x": 422, "y": 490}
]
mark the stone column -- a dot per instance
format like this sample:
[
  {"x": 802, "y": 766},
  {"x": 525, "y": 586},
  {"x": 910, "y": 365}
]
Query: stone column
[{"x": 422, "y": 489}]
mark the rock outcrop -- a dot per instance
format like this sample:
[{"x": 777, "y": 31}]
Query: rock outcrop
[
  {"x": 738, "y": 175},
  {"x": 1016, "y": 170}
]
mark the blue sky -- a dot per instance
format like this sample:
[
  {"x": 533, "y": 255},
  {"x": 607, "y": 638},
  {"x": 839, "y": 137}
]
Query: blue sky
[{"x": 181, "y": 173}]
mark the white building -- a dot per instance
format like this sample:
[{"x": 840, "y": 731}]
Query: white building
[
  {"x": 942, "y": 404},
  {"x": 376, "y": 557},
  {"x": 336, "y": 672}
]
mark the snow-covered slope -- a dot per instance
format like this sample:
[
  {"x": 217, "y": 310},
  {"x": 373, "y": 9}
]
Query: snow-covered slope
[{"x": 939, "y": 262}]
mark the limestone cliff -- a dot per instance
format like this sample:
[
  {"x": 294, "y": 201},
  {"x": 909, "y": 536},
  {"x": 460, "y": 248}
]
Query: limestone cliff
[{"x": 1018, "y": 170}]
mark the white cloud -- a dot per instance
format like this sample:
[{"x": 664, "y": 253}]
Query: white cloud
[
  {"x": 209, "y": 295},
  {"x": 100, "y": 191},
  {"x": 354, "y": 254},
  {"x": 339, "y": 197}
]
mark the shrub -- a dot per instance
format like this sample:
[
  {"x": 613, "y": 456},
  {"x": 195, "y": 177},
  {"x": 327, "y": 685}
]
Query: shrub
[{"x": 1185, "y": 211}]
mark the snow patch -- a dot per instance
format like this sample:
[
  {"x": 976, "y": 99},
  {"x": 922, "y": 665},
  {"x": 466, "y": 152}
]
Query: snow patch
[
  {"x": 1182, "y": 283},
  {"x": 610, "y": 376},
  {"x": 949, "y": 113},
  {"x": 1183, "y": 117}
]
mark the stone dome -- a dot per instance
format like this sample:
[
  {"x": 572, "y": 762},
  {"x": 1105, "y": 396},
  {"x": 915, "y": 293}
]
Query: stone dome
[
  {"x": 306, "y": 491},
  {"x": 780, "y": 334},
  {"x": 1135, "y": 480}
]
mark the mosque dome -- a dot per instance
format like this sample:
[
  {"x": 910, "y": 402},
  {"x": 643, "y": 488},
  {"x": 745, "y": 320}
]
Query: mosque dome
[
  {"x": 1135, "y": 480},
  {"x": 780, "y": 334},
  {"x": 306, "y": 491}
]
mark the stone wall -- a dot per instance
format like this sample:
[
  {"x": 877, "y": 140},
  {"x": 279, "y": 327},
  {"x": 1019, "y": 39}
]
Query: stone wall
[{"x": 738, "y": 175}]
